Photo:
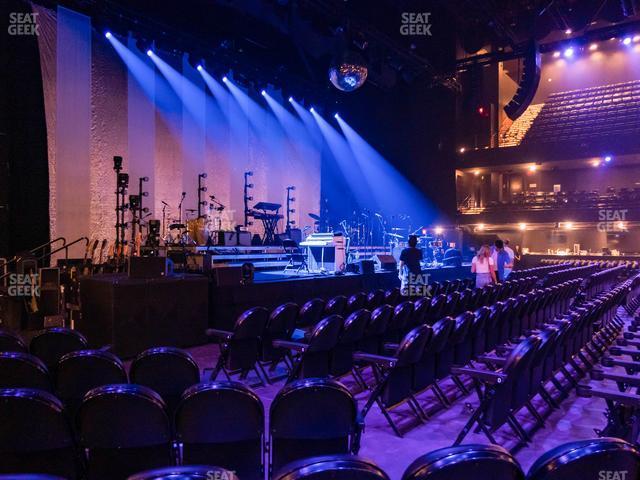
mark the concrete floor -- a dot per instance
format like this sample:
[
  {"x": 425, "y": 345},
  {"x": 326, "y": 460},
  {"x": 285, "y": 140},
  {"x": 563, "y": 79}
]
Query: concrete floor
[{"x": 574, "y": 420}]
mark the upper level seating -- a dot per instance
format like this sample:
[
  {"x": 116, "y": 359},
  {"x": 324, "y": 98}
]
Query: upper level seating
[{"x": 591, "y": 113}]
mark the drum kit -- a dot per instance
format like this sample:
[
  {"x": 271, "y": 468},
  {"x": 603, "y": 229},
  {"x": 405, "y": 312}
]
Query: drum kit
[{"x": 197, "y": 229}]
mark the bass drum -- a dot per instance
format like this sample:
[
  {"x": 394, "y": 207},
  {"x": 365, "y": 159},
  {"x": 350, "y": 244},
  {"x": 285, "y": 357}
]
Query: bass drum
[{"x": 198, "y": 230}]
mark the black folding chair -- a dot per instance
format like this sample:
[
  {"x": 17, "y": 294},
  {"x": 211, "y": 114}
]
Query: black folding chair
[
  {"x": 11, "y": 341},
  {"x": 190, "y": 472},
  {"x": 312, "y": 417},
  {"x": 124, "y": 429},
  {"x": 168, "y": 371},
  {"x": 222, "y": 423},
  {"x": 573, "y": 460},
  {"x": 239, "y": 349},
  {"x": 35, "y": 434},
  {"x": 84, "y": 370},
  {"x": 52, "y": 344},
  {"x": 311, "y": 313},
  {"x": 21, "y": 370},
  {"x": 331, "y": 467},
  {"x": 480, "y": 462},
  {"x": 280, "y": 326}
]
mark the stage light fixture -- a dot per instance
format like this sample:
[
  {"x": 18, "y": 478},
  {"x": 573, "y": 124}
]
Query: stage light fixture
[
  {"x": 199, "y": 68},
  {"x": 568, "y": 225},
  {"x": 438, "y": 230},
  {"x": 336, "y": 116},
  {"x": 522, "y": 226},
  {"x": 225, "y": 79},
  {"x": 556, "y": 54},
  {"x": 149, "y": 52},
  {"x": 608, "y": 158},
  {"x": 312, "y": 110},
  {"x": 568, "y": 31},
  {"x": 476, "y": 172},
  {"x": 263, "y": 93},
  {"x": 568, "y": 53},
  {"x": 481, "y": 227},
  {"x": 462, "y": 149},
  {"x": 107, "y": 34},
  {"x": 290, "y": 99},
  {"x": 533, "y": 168},
  {"x": 595, "y": 163},
  {"x": 636, "y": 38},
  {"x": 593, "y": 46},
  {"x": 627, "y": 41}
]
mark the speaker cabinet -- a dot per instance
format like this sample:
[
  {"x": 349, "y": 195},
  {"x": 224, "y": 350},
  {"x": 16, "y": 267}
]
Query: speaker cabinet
[{"x": 386, "y": 262}]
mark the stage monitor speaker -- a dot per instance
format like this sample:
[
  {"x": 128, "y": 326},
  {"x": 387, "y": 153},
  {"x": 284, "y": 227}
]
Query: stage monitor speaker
[
  {"x": 386, "y": 262},
  {"x": 367, "y": 267},
  {"x": 528, "y": 83},
  {"x": 233, "y": 238},
  {"x": 150, "y": 267},
  {"x": 227, "y": 276}
]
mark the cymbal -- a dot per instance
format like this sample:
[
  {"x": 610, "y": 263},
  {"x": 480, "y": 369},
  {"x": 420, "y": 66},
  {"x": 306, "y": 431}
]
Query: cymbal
[
  {"x": 398, "y": 229},
  {"x": 191, "y": 210},
  {"x": 395, "y": 235},
  {"x": 176, "y": 225},
  {"x": 314, "y": 216}
]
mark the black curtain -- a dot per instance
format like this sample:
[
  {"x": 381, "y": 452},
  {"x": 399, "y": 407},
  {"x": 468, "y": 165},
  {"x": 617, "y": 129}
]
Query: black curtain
[{"x": 24, "y": 172}]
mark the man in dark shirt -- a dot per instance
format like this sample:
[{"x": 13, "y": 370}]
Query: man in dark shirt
[{"x": 409, "y": 264}]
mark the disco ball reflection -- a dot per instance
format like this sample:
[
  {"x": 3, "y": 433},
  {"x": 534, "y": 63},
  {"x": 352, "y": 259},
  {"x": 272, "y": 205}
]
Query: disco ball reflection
[{"x": 348, "y": 72}]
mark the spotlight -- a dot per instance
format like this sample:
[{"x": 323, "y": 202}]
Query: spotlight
[
  {"x": 336, "y": 116},
  {"x": 522, "y": 226},
  {"x": 556, "y": 54},
  {"x": 636, "y": 38},
  {"x": 312, "y": 110},
  {"x": 568, "y": 53},
  {"x": 107, "y": 34},
  {"x": 438, "y": 230},
  {"x": 225, "y": 79},
  {"x": 568, "y": 31},
  {"x": 476, "y": 172},
  {"x": 533, "y": 168},
  {"x": 290, "y": 99},
  {"x": 608, "y": 158},
  {"x": 462, "y": 149},
  {"x": 263, "y": 93},
  {"x": 481, "y": 227},
  {"x": 199, "y": 68},
  {"x": 593, "y": 46},
  {"x": 627, "y": 40},
  {"x": 149, "y": 52},
  {"x": 596, "y": 163}
]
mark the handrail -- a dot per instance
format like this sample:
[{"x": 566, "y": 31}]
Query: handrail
[
  {"x": 64, "y": 247},
  {"x": 39, "y": 247}
]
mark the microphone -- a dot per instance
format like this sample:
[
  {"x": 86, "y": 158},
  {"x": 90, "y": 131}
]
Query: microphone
[
  {"x": 378, "y": 215},
  {"x": 164, "y": 203},
  {"x": 184, "y": 194}
]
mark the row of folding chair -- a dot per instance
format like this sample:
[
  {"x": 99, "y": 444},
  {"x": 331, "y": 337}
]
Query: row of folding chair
[
  {"x": 427, "y": 354},
  {"x": 566, "y": 345},
  {"x": 121, "y": 429},
  {"x": 166, "y": 370},
  {"x": 616, "y": 380},
  {"x": 536, "y": 272},
  {"x": 565, "y": 274}
]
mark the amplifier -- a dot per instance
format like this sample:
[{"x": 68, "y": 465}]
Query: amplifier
[
  {"x": 198, "y": 262},
  {"x": 242, "y": 239},
  {"x": 150, "y": 267},
  {"x": 227, "y": 276},
  {"x": 367, "y": 267},
  {"x": 386, "y": 262}
]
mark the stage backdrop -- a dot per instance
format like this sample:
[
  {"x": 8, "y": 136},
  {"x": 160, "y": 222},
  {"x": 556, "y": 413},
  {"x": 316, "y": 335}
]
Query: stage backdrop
[{"x": 106, "y": 98}]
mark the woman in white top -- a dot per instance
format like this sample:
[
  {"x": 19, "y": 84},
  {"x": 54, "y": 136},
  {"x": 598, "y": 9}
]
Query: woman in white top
[{"x": 484, "y": 267}]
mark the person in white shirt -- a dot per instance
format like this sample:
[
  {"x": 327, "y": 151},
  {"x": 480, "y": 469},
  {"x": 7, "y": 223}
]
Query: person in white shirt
[
  {"x": 512, "y": 256},
  {"x": 484, "y": 267}
]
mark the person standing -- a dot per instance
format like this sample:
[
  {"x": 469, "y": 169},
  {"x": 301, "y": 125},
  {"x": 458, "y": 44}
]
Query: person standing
[
  {"x": 409, "y": 268},
  {"x": 512, "y": 257},
  {"x": 483, "y": 266},
  {"x": 501, "y": 261}
]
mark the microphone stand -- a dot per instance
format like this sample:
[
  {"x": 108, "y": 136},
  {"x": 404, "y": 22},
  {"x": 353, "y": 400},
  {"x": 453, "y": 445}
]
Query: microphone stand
[
  {"x": 184, "y": 194},
  {"x": 164, "y": 216}
]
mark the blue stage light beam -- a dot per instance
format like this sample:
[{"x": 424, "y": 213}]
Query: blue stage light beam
[
  {"x": 341, "y": 153},
  {"x": 308, "y": 120},
  {"x": 141, "y": 69},
  {"x": 394, "y": 194}
]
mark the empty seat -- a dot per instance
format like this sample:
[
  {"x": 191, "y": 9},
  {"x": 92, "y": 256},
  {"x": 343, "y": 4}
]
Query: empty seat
[
  {"x": 35, "y": 434},
  {"x": 280, "y": 326},
  {"x": 350, "y": 336},
  {"x": 375, "y": 299},
  {"x": 573, "y": 460},
  {"x": 311, "y": 313},
  {"x": 331, "y": 467},
  {"x": 52, "y": 344},
  {"x": 124, "y": 429},
  {"x": 222, "y": 423},
  {"x": 84, "y": 370},
  {"x": 195, "y": 472},
  {"x": 356, "y": 302},
  {"x": 21, "y": 370},
  {"x": 312, "y": 417},
  {"x": 480, "y": 462},
  {"x": 239, "y": 349},
  {"x": 336, "y": 305},
  {"x": 10, "y": 341},
  {"x": 168, "y": 371}
]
